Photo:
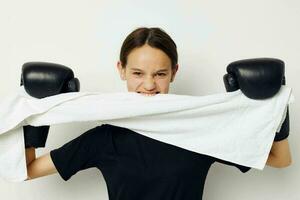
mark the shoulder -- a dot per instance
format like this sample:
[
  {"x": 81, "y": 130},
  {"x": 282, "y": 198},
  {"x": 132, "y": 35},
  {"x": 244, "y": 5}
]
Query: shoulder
[
  {"x": 117, "y": 132},
  {"x": 105, "y": 134},
  {"x": 95, "y": 132},
  {"x": 95, "y": 136}
]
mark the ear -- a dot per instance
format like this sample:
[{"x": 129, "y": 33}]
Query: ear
[
  {"x": 122, "y": 71},
  {"x": 174, "y": 71}
]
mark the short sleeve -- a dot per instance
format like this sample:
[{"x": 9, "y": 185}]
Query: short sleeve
[
  {"x": 80, "y": 153},
  {"x": 242, "y": 168}
]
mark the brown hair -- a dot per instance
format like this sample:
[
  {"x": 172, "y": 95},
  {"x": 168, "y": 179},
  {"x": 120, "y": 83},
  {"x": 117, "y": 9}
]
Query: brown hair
[{"x": 154, "y": 37}]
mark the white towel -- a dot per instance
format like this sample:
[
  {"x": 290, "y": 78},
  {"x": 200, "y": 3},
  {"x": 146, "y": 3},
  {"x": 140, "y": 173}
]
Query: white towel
[{"x": 228, "y": 126}]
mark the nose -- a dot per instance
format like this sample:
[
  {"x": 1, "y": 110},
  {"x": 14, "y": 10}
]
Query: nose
[{"x": 149, "y": 84}]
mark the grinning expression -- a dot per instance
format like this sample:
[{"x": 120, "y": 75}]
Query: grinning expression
[{"x": 148, "y": 71}]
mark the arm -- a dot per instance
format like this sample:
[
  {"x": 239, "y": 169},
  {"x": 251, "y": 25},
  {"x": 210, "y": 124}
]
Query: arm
[
  {"x": 262, "y": 78},
  {"x": 43, "y": 79},
  {"x": 280, "y": 155},
  {"x": 38, "y": 167},
  {"x": 83, "y": 152}
]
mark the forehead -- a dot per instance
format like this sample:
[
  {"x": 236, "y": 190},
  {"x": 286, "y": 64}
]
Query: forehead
[{"x": 147, "y": 57}]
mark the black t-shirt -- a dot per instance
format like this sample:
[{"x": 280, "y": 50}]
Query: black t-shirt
[{"x": 136, "y": 167}]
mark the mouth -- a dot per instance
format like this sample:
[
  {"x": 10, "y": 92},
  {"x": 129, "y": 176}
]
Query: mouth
[{"x": 148, "y": 94}]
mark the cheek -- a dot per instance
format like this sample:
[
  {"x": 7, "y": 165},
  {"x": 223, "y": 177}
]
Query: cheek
[
  {"x": 132, "y": 83},
  {"x": 162, "y": 84}
]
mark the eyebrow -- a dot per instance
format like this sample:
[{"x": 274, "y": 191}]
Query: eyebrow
[{"x": 161, "y": 70}]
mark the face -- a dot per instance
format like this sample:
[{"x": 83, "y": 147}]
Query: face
[{"x": 148, "y": 71}]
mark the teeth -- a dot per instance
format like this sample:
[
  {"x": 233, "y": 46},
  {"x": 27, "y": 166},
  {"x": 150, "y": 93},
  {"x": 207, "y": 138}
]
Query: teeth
[{"x": 148, "y": 94}]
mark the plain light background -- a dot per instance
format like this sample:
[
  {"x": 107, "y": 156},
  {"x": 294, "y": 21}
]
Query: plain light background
[{"x": 87, "y": 35}]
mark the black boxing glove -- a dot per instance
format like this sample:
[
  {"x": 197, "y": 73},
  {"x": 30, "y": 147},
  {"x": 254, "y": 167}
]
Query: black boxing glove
[
  {"x": 42, "y": 79},
  {"x": 258, "y": 78}
]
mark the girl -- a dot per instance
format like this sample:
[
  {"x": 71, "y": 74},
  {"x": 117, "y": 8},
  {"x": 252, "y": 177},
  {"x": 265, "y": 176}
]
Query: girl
[{"x": 135, "y": 166}]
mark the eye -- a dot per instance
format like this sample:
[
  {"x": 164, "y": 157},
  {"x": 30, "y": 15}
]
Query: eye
[
  {"x": 137, "y": 73},
  {"x": 161, "y": 74}
]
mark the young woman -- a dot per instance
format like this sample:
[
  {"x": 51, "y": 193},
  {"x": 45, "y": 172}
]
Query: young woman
[{"x": 135, "y": 166}]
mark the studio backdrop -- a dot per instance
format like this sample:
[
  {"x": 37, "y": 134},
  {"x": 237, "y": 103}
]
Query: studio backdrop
[{"x": 87, "y": 36}]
